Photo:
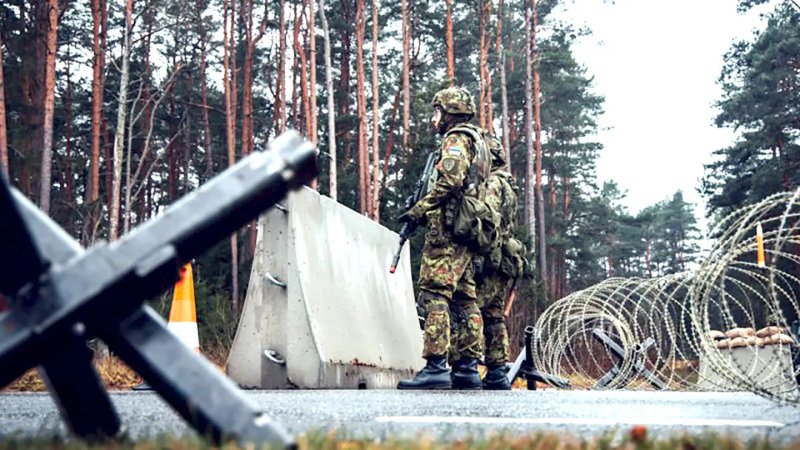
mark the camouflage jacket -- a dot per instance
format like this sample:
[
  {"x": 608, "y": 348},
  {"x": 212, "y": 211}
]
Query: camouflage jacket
[{"x": 452, "y": 170}]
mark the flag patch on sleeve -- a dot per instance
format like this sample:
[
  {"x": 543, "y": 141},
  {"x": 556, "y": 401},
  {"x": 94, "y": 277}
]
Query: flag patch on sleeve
[{"x": 454, "y": 151}]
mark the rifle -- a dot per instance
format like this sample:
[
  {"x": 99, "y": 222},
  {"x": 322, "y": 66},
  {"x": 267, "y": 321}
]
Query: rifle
[
  {"x": 511, "y": 296},
  {"x": 420, "y": 189}
]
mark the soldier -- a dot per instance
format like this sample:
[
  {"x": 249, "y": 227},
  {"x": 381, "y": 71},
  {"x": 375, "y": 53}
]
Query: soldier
[
  {"x": 497, "y": 280},
  {"x": 446, "y": 282}
]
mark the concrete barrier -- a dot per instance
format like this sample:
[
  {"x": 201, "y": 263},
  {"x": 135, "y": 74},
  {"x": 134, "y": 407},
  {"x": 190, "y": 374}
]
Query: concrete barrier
[
  {"x": 322, "y": 309},
  {"x": 768, "y": 369}
]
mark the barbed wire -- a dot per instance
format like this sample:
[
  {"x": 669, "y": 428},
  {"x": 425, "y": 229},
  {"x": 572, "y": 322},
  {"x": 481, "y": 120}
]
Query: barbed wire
[{"x": 722, "y": 326}]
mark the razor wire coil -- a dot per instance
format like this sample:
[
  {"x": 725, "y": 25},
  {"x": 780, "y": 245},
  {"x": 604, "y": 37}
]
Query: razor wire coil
[{"x": 722, "y": 326}]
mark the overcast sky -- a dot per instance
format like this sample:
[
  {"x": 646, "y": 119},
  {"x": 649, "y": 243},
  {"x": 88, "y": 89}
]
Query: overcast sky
[{"x": 657, "y": 62}]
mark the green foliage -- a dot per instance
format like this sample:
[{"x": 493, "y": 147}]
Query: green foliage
[
  {"x": 608, "y": 241},
  {"x": 760, "y": 100},
  {"x": 586, "y": 225}
]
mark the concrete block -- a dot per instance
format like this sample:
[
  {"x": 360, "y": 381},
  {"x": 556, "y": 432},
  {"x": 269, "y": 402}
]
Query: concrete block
[
  {"x": 767, "y": 369},
  {"x": 341, "y": 320}
]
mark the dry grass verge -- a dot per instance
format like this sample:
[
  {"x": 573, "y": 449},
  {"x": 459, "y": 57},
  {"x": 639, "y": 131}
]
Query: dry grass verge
[
  {"x": 635, "y": 439},
  {"x": 116, "y": 375}
]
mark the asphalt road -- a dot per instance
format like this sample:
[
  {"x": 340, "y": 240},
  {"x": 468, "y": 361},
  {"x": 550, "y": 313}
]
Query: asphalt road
[{"x": 450, "y": 415}]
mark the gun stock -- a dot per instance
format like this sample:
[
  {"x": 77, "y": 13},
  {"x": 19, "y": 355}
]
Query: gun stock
[{"x": 510, "y": 301}]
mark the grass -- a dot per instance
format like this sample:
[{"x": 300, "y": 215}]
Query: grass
[
  {"x": 635, "y": 439},
  {"x": 114, "y": 373}
]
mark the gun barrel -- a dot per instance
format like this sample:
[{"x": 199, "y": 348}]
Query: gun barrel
[{"x": 405, "y": 232}]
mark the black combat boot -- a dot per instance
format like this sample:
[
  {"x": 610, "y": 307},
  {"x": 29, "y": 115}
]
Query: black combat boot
[
  {"x": 465, "y": 375},
  {"x": 435, "y": 375},
  {"x": 496, "y": 378}
]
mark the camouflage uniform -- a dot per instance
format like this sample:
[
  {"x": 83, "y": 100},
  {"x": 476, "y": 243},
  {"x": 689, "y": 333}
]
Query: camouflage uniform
[
  {"x": 446, "y": 278},
  {"x": 495, "y": 286}
]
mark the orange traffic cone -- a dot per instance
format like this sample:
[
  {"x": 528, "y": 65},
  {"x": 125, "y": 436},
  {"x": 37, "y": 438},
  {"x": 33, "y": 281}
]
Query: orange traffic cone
[{"x": 182, "y": 314}]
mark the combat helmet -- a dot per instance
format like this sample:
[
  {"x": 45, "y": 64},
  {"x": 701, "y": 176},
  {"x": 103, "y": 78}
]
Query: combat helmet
[
  {"x": 454, "y": 100},
  {"x": 499, "y": 158}
]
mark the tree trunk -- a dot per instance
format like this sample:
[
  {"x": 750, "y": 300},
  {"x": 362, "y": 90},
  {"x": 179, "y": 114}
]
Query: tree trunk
[
  {"x": 501, "y": 60},
  {"x": 119, "y": 133},
  {"x": 364, "y": 205},
  {"x": 451, "y": 58},
  {"x": 109, "y": 161},
  {"x": 227, "y": 80},
  {"x": 280, "y": 100},
  {"x": 542, "y": 245},
  {"x": 172, "y": 129},
  {"x": 204, "y": 94},
  {"x": 530, "y": 219},
  {"x": 343, "y": 92},
  {"x": 312, "y": 78},
  {"x": 295, "y": 82},
  {"x": 376, "y": 191},
  {"x": 487, "y": 71},
  {"x": 406, "y": 89},
  {"x": 332, "y": 186},
  {"x": 482, "y": 63},
  {"x": 49, "y": 106},
  {"x": 390, "y": 140},
  {"x": 246, "y": 17},
  {"x": 3, "y": 129},
  {"x": 68, "y": 181},
  {"x": 301, "y": 53},
  {"x": 98, "y": 30}
]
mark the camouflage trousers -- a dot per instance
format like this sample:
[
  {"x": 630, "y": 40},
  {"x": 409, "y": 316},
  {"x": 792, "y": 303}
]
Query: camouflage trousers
[
  {"x": 492, "y": 295},
  {"x": 453, "y": 324}
]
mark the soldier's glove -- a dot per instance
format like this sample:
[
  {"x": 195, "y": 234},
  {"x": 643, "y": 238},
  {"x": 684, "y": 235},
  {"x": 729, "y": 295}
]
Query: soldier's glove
[
  {"x": 413, "y": 215},
  {"x": 405, "y": 218}
]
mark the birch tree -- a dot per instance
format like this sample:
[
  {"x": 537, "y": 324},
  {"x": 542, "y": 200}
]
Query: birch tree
[
  {"x": 405, "y": 77},
  {"x": 119, "y": 133},
  {"x": 501, "y": 66},
  {"x": 540, "y": 224},
  {"x": 331, "y": 111},
  {"x": 228, "y": 76}
]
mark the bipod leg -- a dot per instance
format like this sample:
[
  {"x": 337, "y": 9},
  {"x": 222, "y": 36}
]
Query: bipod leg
[
  {"x": 514, "y": 370},
  {"x": 528, "y": 368},
  {"x": 523, "y": 366},
  {"x": 178, "y": 374}
]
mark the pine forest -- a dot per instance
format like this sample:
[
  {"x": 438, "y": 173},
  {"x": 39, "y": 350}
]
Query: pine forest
[{"x": 112, "y": 110}]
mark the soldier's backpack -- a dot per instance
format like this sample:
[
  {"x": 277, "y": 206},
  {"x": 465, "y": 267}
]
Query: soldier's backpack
[
  {"x": 500, "y": 183},
  {"x": 474, "y": 223}
]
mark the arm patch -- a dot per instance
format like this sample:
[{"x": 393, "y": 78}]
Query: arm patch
[{"x": 449, "y": 165}]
